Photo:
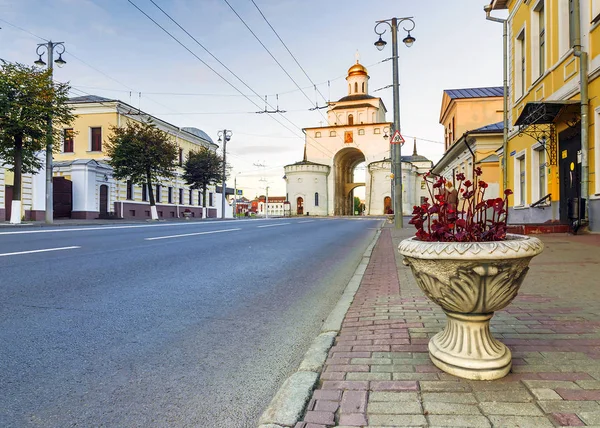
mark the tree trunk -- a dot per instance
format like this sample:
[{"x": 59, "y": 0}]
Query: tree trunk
[
  {"x": 18, "y": 168},
  {"x": 153, "y": 211},
  {"x": 15, "y": 216}
]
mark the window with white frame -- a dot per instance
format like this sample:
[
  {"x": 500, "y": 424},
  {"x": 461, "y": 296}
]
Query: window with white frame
[
  {"x": 565, "y": 27},
  {"x": 542, "y": 181},
  {"x": 520, "y": 65},
  {"x": 538, "y": 44},
  {"x": 520, "y": 179},
  {"x": 96, "y": 139},
  {"x": 595, "y": 11},
  {"x": 596, "y": 151},
  {"x": 539, "y": 166}
]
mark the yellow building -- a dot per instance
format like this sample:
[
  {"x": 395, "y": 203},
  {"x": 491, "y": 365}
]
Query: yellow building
[
  {"x": 83, "y": 184},
  {"x": 472, "y": 134},
  {"x": 554, "y": 112}
]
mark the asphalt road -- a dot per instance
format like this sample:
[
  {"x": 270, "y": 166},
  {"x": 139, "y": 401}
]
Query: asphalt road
[{"x": 173, "y": 324}]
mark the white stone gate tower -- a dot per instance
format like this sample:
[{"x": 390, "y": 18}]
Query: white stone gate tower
[{"x": 356, "y": 131}]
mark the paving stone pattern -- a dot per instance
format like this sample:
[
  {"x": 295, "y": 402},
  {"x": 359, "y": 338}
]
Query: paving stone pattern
[{"x": 378, "y": 373}]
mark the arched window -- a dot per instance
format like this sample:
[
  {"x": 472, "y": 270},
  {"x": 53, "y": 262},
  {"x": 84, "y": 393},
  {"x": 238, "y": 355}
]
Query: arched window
[
  {"x": 316, "y": 199},
  {"x": 350, "y": 119},
  {"x": 355, "y": 87},
  {"x": 363, "y": 87}
]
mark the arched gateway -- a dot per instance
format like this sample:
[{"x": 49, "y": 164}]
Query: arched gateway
[{"x": 356, "y": 133}]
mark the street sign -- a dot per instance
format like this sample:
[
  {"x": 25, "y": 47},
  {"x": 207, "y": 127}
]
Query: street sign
[{"x": 397, "y": 138}]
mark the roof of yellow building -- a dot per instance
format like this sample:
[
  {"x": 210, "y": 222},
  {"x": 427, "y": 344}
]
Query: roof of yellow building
[{"x": 490, "y": 91}]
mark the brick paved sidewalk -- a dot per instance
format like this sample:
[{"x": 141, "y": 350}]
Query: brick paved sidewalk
[{"x": 379, "y": 374}]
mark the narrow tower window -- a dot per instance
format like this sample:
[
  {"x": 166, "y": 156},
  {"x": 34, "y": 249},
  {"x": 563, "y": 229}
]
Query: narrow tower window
[
  {"x": 355, "y": 87},
  {"x": 363, "y": 87},
  {"x": 350, "y": 119}
]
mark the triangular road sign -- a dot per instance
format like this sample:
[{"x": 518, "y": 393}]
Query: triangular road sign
[{"x": 397, "y": 138}]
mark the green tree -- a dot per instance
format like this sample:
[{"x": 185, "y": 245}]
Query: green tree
[
  {"x": 356, "y": 205},
  {"x": 142, "y": 153},
  {"x": 202, "y": 168},
  {"x": 28, "y": 100}
]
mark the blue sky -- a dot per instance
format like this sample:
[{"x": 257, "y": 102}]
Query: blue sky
[{"x": 114, "y": 51}]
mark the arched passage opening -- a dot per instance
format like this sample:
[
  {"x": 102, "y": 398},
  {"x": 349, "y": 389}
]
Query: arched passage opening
[{"x": 344, "y": 163}]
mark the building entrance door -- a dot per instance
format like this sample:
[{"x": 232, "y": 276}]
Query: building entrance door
[
  {"x": 300, "y": 206},
  {"x": 569, "y": 170},
  {"x": 62, "y": 199},
  {"x": 103, "y": 201}
]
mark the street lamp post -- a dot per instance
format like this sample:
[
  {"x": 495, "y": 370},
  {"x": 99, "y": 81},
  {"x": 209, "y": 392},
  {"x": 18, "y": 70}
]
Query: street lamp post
[
  {"x": 49, "y": 49},
  {"x": 395, "y": 149},
  {"x": 224, "y": 135}
]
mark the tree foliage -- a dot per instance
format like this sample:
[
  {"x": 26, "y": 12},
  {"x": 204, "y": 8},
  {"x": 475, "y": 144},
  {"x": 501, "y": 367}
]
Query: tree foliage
[
  {"x": 28, "y": 100},
  {"x": 142, "y": 153},
  {"x": 202, "y": 168}
]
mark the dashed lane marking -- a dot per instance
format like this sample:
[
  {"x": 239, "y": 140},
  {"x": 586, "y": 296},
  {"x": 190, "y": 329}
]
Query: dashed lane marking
[
  {"x": 273, "y": 225},
  {"x": 45, "y": 250},
  {"x": 85, "y": 228},
  {"x": 190, "y": 234}
]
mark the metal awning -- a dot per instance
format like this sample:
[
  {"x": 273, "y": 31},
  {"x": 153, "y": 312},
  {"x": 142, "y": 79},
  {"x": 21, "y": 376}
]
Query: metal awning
[
  {"x": 544, "y": 112},
  {"x": 538, "y": 120}
]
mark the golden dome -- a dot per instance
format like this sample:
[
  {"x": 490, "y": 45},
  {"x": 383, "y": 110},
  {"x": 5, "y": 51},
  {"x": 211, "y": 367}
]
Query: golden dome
[{"x": 357, "y": 69}]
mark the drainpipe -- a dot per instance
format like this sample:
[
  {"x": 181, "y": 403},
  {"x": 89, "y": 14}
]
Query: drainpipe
[
  {"x": 488, "y": 9},
  {"x": 583, "y": 89}
]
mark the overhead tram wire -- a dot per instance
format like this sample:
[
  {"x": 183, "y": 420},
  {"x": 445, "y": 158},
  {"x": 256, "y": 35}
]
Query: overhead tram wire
[
  {"x": 284, "y": 70},
  {"x": 24, "y": 30},
  {"x": 223, "y": 65},
  {"x": 274, "y": 110},
  {"x": 290, "y": 52},
  {"x": 82, "y": 61},
  {"x": 266, "y": 49},
  {"x": 120, "y": 83}
]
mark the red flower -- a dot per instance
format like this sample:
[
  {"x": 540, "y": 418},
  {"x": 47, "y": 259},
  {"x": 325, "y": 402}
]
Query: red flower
[{"x": 472, "y": 219}]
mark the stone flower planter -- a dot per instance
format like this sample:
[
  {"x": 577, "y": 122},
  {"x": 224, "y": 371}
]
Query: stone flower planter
[{"x": 470, "y": 281}]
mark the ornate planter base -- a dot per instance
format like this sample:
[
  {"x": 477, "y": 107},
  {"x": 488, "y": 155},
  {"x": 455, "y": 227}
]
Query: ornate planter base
[
  {"x": 470, "y": 281},
  {"x": 467, "y": 349}
]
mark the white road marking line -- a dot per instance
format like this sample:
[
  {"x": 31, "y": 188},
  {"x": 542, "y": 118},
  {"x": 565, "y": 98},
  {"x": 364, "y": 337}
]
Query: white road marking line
[
  {"x": 273, "y": 225},
  {"x": 38, "y": 251},
  {"x": 305, "y": 221},
  {"x": 190, "y": 234},
  {"x": 84, "y": 228}
]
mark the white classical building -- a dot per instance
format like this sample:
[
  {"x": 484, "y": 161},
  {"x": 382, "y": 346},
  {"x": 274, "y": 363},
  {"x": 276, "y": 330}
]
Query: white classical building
[
  {"x": 83, "y": 183},
  {"x": 323, "y": 182}
]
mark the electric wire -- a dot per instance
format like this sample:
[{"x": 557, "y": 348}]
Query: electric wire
[
  {"x": 279, "y": 64},
  {"x": 290, "y": 52},
  {"x": 23, "y": 29},
  {"x": 266, "y": 49},
  {"x": 221, "y": 63}
]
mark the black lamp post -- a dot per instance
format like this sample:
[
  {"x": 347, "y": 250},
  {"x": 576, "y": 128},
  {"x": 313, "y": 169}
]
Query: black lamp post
[
  {"x": 395, "y": 149},
  {"x": 49, "y": 49}
]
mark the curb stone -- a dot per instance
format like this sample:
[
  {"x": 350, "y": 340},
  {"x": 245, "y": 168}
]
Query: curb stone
[{"x": 289, "y": 402}]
